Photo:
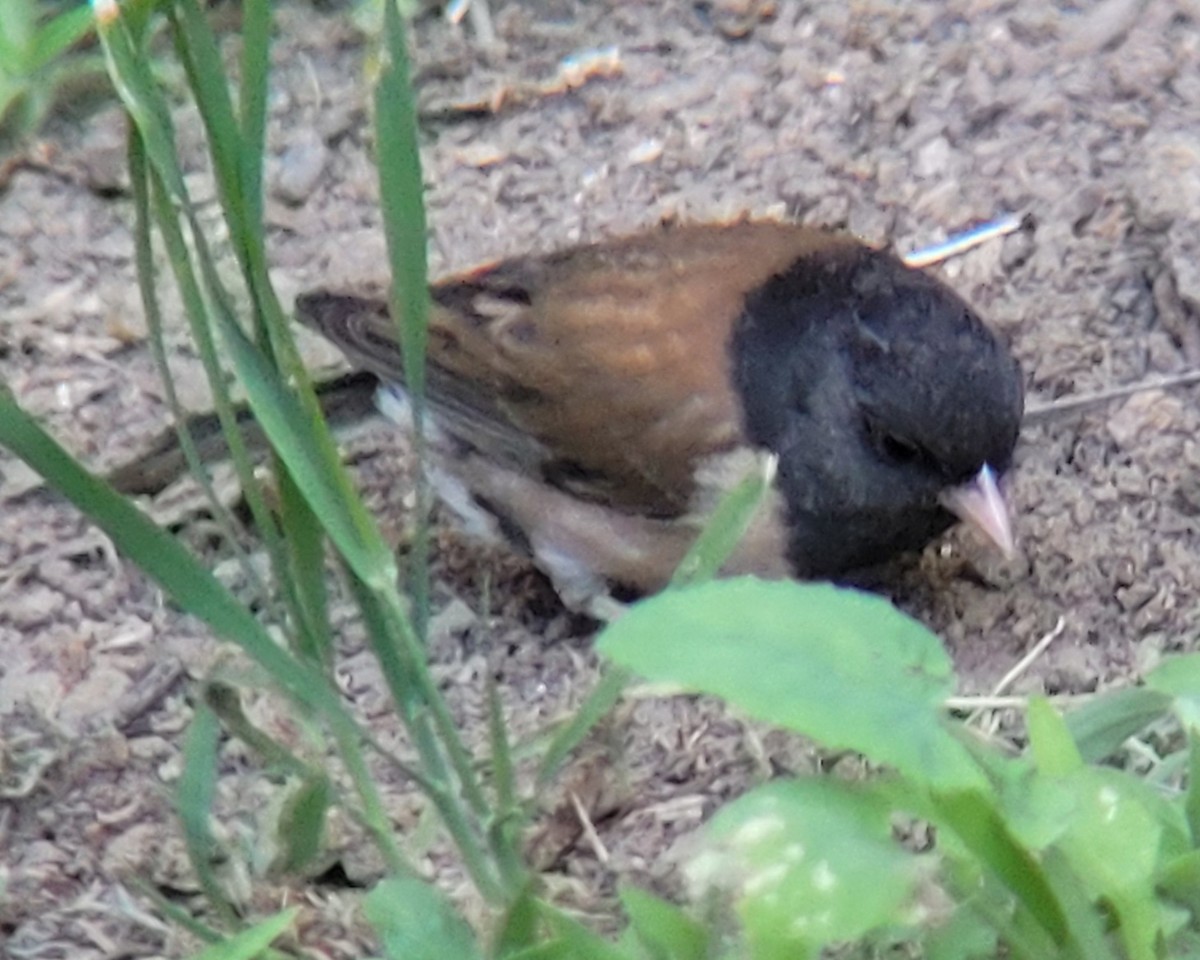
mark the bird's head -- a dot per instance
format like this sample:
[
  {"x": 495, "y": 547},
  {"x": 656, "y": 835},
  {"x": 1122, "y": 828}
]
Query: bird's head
[{"x": 890, "y": 405}]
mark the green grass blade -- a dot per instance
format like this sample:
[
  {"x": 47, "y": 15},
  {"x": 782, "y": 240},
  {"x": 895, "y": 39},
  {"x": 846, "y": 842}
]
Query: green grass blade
[
  {"x": 148, "y": 110},
  {"x": 57, "y": 36},
  {"x": 256, "y": 64},
  {"x": 301, "y": 829},
  {"x": 1106, "y": 721},
  {"x": 401, "y": 195},
  {"x": 597, "y": 705},
  {"x": 196, "y": 307},
  {"x": 144, "y": 257},
  {"x": 504, "y": 780},
  {"x": 305, "y": 549},
  {"x": 194, "y": 800},
  {"x": 131, "y": 77},
  {"x": 253, "y": 941},
  {"x": 981, "y": 828},
  {"x": 324, "y": 483},
  {"x": 18, "y": 37},
  {"x": 196, "y": 591},
  {"x": 196, "y": 47},
  {"x": 726, "y": 526},
  {"x": 157, "y": 553}
]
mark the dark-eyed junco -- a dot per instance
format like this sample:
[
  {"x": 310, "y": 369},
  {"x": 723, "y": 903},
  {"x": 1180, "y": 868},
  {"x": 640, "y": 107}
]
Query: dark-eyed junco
[{"x": 594, "y": 404}]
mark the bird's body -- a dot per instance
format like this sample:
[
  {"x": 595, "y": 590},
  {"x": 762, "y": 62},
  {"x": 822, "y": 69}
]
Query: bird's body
[{"x": 598, "y": 401}]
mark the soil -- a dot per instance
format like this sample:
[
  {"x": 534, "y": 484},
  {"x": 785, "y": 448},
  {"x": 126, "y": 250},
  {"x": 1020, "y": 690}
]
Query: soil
[{"x": 904, "y": 123}]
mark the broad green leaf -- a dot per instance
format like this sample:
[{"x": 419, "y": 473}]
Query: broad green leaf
[
  {"x": 415, "y": 921},
  {"x": 1118, "y": 834},
  {"x": 1087, "y": 933},
  {"x": 807, "y": 863},
  {"x": 1036, "y": 807},
  {"x": 844, "y": 667},
  {"x": 662, "y": 928},
  {"x": 1115, "y": 835},
  {"x": 18, "y": 37}
]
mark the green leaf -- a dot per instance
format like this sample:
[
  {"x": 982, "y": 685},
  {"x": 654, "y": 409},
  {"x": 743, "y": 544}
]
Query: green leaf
[
  {"x": 18, "y": 37},
  {"x": 305, "y": 550},
  {"x": 965, "y": 935},
  {"x": 808, "y": 863},
  {"x": 160, "y": 555},
  {"x": 1114, "y": 846},
  {"x": 1180, "y": 879},
  {"x": 663, "y": 929},
  {"x": 55, "y": 37},
  {"x": 727, "y": 525},
  {"x": 841, "y": 666},
  {"x": 984, "y": 832},
  {"x": 196, "y": 46},
  {"x": 577, "y": 940},
  {"x": 1101, "y": 725},
  {"x": 194, "y": 799},
  {"x": 1036, "y": 807},
  {"x": 415, "y": 921},
  {"x": 1110, "y": 832},
  {"x": 1050, "y": 740},
  {"x": 301, "y": 825},
  {"x": 519, "y": 927},
  {"x": 325, "y": 485},
  {"x": 251, "y": 942},
  {"x": 401, "y": 194},
  {"x": 599, "y": 702},
  {"x": 1191, "y": 799},
  {"x": 1088, "y": 926},
  {"x": 1178, "y": 676},
  {"x": 401, "y": 191},
  {"x": 135, "y": 85}
]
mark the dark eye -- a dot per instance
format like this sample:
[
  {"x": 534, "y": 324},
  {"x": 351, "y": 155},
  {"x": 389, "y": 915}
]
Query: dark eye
[
  {"x": 893, "y": 448},
  {"x": 898, "y": 450}
]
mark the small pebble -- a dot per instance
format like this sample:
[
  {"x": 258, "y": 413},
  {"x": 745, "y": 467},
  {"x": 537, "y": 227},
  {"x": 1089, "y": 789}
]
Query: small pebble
[{"x": 300, "y": 168}]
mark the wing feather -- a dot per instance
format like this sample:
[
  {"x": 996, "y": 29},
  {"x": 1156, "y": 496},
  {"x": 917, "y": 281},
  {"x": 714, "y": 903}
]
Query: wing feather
[{"x": 602, "y": 369}]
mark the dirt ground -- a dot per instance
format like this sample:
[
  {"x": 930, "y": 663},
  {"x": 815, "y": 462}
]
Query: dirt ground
[{"x": 901, "y": 122}]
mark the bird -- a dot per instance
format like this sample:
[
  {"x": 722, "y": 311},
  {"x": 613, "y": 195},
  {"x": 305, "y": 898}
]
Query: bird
[{"x": 591, "y": 406}]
